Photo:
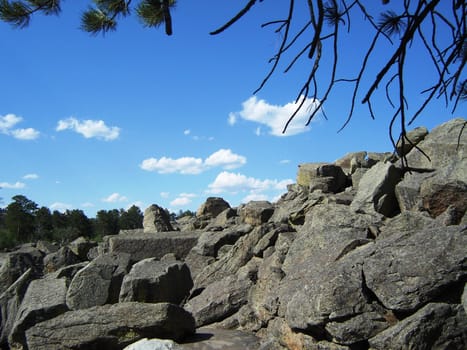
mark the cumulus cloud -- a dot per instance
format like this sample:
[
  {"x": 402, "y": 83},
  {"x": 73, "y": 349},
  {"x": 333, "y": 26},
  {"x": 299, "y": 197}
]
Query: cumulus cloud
[
  {"x": 114, "y": 198},
  {"x": 9, "y": 121},
  {"x": 89, "y": 128},
  {"x": 30, "y": 176},
  {"x": 232, "y": 119},
  {"x": 227, "y": 182},
  {"x": 187, "y": 132},
  {"x": 61, "y": 207},
  {"x": 275, "y": 117},
  {"x": 223, "y": 158},
  {"x": 183, "y": 199},
  {"x": 14, "y": 186}
]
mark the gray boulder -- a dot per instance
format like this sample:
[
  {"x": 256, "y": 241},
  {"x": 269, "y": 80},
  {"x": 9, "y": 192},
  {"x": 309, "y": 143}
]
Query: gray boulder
[
  {"x": 376, "y": 190},
  {"x": 44, "y": 299},
  {"x": 140, "y": 245},
  {"x": 219, "y": 300},
  {"x": 321, "y": 176},
  {"x": 435, "y": 326},
  {"x": 153, "y": 281},
  {"x": 410, "y": 140},
  {"x": 154, "y": 344},
  {"x": 10, "y": 301},
  {"x": 212, "y": 207},
  {"x": 61, "y": 258},
  {"x": 256, "y": 212},
  {"x": 81, "y": 247},
  {"x": 156, "y": 219},
  {"x": 99, "y": 282},
  {"x": 111, "y": 327}
]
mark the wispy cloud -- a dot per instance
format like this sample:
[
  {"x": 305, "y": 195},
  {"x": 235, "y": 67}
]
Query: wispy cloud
[
  {"x": 183, "y": 199},
  {"x": 14, "y": 186},
  {"x": 9, "y": 121},
  {"x": 89, "y": 128},
  {"x": 115, "y": 198},
  {"x": 61, "y": 207},
  {"x": 223, "y": 158},
  {"x": 30, "y": 176},
  {"x": 227, "y": 182},
  {"x": 275, "y": 117}
]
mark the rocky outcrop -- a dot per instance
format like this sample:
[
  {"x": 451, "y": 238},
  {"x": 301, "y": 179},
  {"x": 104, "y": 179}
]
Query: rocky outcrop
[
  {"x": 156, "y": 219},
  {"x": 363, "y": 253}
]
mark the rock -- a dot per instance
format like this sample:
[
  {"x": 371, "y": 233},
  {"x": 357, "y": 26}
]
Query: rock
[
  {"x": 154, "y": 344},
  {"x": 44, "y": 299},
  {"x": 99, "y": 282},
  {"x": 323, "y": 176},
  {"x": 111, "y": 327},
  {"x": 207, "y": 338},
  {"x": 153, "y": 281},
  {"x": 81, "y": 247},
  {"x": 402, "y": 275},
  {"x": 376, "y": 190},
  {"x": 407, "y": 191},
  {"x": 47, "y": 247},
  {"x": 156, "y": 219},
  {"x": 219, "y": 300},
  {"x": 435, "y": 326},
  {"x": 212, "y": 207},
  {"x": 351, "y": 161},
  {"x": 10, "y": 301},
  {"x": 410, "y": 140},
  {"x": 256, "y": 212},
  {"x": 17, "y": 263},
  {"x": 140, "y": 245},
  {"x": 211, "y": 241},
  {"x": 62, "y": 257}
]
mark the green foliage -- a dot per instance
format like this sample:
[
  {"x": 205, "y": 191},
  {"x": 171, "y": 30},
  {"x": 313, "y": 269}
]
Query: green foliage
[
  {"x": 44, "y": 224},
  {"x": 188, "y": 213},
  {"x": 7, "y": 239},
  {"x": 95, "y": 21},
  {"x": 65, "y": 235},
  {"x": 20, "y": 218},
  {"x": 107, "y": 222},
  {"x": 131, "y": 219},
  {"x": 18, "y": 13}
]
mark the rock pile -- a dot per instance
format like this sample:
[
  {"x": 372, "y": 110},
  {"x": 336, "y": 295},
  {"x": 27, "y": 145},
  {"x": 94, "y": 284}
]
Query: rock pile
[{"x": 358, "y": 254}]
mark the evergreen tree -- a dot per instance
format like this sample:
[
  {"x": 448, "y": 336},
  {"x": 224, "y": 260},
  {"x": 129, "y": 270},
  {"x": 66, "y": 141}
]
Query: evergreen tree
[
  {"x": 131, "y": 219},
  {"x": 20, "y": 218}
]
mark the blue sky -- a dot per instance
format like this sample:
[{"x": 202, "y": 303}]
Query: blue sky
[{"x": 137, "y": 117}]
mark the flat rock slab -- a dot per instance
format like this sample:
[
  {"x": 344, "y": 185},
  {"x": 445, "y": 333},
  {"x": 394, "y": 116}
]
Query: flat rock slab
[
  {"x": 220, "y": 339},
  {"x": 142, "y": 245}
]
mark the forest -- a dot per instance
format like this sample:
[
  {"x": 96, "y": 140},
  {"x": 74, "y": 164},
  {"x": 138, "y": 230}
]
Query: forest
[{"x": 24, "y": 221}]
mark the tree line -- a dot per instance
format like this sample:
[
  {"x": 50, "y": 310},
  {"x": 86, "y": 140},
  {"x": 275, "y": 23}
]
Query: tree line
[{"x": 24, "y": 221}]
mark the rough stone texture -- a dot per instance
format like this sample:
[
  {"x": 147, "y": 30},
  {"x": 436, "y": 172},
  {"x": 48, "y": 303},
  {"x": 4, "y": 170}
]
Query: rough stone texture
[
  {"x": 156, "y": 219},
  {"x": 291, "y": 208},
  {"x": 323, "y": 176},
  {"x": 401, "y": 274},
  {"x": 81, "y": 247},
  {"x": 111, "y": 327},
  {"x": 10, "y": 301},
  {"x": 153, "y": 344},
  {"x": 376, "y": 190},
  {"x": 256, "y": 212},
  {"x": 210, "y": 242},
  {"x": 17, "y": 263},
  {"x": 219, "y": 300},
  {"x": 435, "y": 326},
  {"x": 220, "y": 339},
  {"x": 62, "y": 257},
  {"x": 154, "y": 281},
  {"x": 411, "y": 139},
  {"x": 212, "y": 207},
  {"x": 141, "y": 245},
  {"x": 407, "y": 191},
  {"x": 464, "y": 298},
  {"x": 99, "y": 282},
  {"x": 351, "y": 161},
  {"x": 44, "y": 299}
]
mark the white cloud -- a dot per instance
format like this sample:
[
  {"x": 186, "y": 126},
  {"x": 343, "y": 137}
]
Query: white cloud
[
  {"x": 232, "y": 120},
  {"x": 61, "y": 207},
  {"x": 30, "y": 176},
  {"x": 226, "y": 159},
  {"x": 16, "y": 185},
  {"x": 183, "y": 199},
  {"x": 89, "y": 128},
  {"x": 255, "y": 197},
  {"x": 164, "y": 194},
  {"x": 275, "y": 117},
  {"x": 284, "y": 161},
  {"x": 7, "y": 123},
  {"x": 164, "y": 165},
  {"x": 114, "y": 198},
  {"x": 187, "y": 132},
  {"x": 88, "y": 205},
  {"x": 234, "y": 183},
  {"x": 223, "y": 158}
]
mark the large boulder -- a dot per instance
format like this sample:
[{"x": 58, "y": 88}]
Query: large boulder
[
  {"x": 435, "y": 326},
  {"x": 99, "y": 282},
  {"x": 81, "y": 247},
  {"x": 111, "y": 327},
  {"x": 44, "y": 299},
  {"x": 256, "y": 212},
  {"x": 61, "y": 258},
  {"x": 212, "y": 207},
  {"x": 321, "y": 176},
  {"x": 140, "y": 245},
  {"x": 376, "y": 190},
  {"x": 156, "y": 219},
  {"x": 410, "y": 140},
  {"x": 154, "y": 281}
]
